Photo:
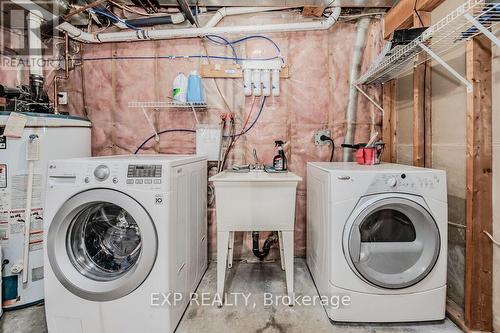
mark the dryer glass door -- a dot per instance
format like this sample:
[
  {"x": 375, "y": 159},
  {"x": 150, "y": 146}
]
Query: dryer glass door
[
  {"x": 394, "y": 243},
  {"x": 101, "y": 244}
]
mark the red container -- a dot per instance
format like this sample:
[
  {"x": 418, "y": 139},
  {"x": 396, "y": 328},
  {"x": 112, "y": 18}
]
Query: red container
[{"x": 369, "y": 156}]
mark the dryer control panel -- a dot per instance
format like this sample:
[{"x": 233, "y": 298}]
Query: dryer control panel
[{"x": 405, "y": 182}]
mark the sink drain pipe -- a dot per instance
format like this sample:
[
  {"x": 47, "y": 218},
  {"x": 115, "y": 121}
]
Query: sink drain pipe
[{"x": 273, "y": 238}]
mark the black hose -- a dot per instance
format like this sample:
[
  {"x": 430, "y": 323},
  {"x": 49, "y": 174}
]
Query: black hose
[
  {"x": 150, "y": 21},
  {"x": 266, "y": 247}
]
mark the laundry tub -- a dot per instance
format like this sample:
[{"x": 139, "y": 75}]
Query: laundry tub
[{"x": 255, "y": 201}]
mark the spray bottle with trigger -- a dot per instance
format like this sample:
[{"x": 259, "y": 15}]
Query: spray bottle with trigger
[{"x": 279, "y": 161}]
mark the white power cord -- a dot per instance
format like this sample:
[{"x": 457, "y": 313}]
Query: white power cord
[{"x": 493, "y": 240}]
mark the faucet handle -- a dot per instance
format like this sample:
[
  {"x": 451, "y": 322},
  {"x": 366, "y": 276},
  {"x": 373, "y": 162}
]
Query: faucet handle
[{"x": 256, "y": 159}]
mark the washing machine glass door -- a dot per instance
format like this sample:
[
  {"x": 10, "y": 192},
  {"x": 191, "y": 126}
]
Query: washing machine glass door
[
  {"x": 102, "y": 244},
  {"x": 393, "y": 242}
]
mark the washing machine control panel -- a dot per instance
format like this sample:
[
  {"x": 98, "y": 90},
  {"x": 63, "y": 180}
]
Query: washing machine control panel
[{"x": 143, "y": 171}]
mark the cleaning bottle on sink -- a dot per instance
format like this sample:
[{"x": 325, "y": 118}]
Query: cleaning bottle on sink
[{"x": 279, "y": 161}]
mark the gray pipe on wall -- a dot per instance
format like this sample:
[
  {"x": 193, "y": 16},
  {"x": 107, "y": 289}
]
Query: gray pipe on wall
[{"x": 352, "y": 106}]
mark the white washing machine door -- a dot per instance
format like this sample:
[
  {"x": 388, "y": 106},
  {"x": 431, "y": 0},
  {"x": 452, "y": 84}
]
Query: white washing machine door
[
  {"x": 391, "y": 240},
  {"x": 102, "y": 244}
]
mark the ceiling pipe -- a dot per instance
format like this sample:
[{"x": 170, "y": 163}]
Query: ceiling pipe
[
  {"x": 229, "y": 11},
  {"x": 141, "y": 35},
  {"x": 35, "y": 44}
]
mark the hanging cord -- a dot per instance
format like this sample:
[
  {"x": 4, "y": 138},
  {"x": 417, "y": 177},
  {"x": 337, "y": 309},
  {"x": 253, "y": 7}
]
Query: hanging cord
[
  {"x": 232, "y": 130},
  {"x": 490, "y": 236},
  {"x": 185, "y": 130},
  {"x": 163, "y": 132},
  {"x": 327, "y": 138}
]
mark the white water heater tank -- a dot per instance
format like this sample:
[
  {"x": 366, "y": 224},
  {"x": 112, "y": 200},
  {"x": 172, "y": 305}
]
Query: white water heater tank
[{"x": 58, "y": 137}]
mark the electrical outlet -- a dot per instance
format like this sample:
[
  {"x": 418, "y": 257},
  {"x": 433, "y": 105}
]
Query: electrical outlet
[
  {"x": 62, "y": 98},
  {"x": 317, "y": 137}
]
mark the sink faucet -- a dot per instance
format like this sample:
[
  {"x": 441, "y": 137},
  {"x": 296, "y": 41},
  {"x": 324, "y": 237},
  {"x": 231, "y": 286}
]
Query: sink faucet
[{"x": 256, "y": 165}]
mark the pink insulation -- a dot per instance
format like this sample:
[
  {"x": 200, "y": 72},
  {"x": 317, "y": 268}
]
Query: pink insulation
[{"x": 314, "y": 97}]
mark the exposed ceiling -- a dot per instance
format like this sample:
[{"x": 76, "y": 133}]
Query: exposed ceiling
[{"x": 281, "y": 3}]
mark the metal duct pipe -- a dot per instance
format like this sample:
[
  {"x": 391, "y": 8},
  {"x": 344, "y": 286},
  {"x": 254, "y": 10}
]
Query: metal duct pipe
[
  {"x": 352, "y": 106},
  {"x": 140, "y": 35}
]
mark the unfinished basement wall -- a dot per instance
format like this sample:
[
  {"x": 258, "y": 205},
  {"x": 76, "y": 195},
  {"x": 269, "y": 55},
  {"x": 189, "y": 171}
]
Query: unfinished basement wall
[
  {"x": 449, "y": 153},
  {"x": 314, "y": 97}
]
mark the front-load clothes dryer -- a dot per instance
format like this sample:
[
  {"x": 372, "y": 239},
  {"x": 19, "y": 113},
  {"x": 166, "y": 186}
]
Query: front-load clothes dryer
[
  {"x": 125, "y": 242},
  {"x": 377, "y": 241}
]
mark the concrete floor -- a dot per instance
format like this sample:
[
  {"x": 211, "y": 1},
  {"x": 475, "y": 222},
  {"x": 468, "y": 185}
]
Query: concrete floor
[{"x": 253, "y": 278}]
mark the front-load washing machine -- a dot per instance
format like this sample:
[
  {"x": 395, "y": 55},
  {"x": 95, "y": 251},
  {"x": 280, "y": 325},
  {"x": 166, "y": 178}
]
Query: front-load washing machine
[
  {"x": 126, "y": 242},
  {"x": 377, "y": 241}
]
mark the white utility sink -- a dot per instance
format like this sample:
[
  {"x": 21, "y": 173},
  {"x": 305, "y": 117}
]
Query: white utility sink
[{"x": 255, "y": 201}]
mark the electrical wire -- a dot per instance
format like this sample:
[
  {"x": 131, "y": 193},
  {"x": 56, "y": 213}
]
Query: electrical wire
[
  {"x": 327, "y": 138},
  {"x": 232, "y": 43},
  {"x": 226, "y": 42},
  {"x": 130, "y": 9},
  {"x": 113, "y": 17},
  {"x": 185, "y": 130}
]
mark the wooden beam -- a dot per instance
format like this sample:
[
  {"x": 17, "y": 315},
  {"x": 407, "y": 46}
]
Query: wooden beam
[
  {"x": 389, "y": 123},
  {"x": 479, "y": 216},
  {"x": 316, "y": 11},
  {"x": 401, "y": 15},
  {"x": 422, "y": 126},
  {"x": 456, "y": 315}
]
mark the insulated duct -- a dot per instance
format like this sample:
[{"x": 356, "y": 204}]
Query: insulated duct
[
  {"x": 352, "y": 106},
  {"x": 141, "y": 35}
]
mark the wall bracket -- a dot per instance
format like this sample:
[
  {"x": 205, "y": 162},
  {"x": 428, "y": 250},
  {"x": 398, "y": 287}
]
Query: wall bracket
[
  {"x": 450, "y": 69},
  {"x": 381, "y": 109}
]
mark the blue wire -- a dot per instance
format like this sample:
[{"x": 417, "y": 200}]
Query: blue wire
[
  {"x": 225, "y": 42},
  {"x": 245, "y": 131},
  {"x": 113, "y": 17},
  {"x": 185, "y": 130},
  {"x": 232, "y": 43}
]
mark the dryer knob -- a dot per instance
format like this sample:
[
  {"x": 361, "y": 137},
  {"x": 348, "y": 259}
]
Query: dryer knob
[
  {"x": 392, "y": 182},
  {"x": 101, "y": 172}
]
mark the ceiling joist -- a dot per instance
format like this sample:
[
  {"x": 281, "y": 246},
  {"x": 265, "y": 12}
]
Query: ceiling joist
[{"x": 401, "y": 15}]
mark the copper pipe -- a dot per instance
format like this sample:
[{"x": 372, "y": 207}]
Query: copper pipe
[{"x": 66, "y": 72}]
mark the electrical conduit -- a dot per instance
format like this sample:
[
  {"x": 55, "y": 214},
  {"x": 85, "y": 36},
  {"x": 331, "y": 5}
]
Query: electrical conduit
[{"x": 352, "y": 105}]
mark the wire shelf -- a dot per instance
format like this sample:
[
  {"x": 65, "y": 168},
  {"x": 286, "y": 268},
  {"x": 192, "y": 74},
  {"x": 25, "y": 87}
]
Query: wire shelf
[
  {"x": 167, "y": 105},
  {"x": 447, "y": 34}
]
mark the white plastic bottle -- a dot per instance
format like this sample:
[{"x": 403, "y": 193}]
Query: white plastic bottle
[{"x": 179, "y": 88}]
